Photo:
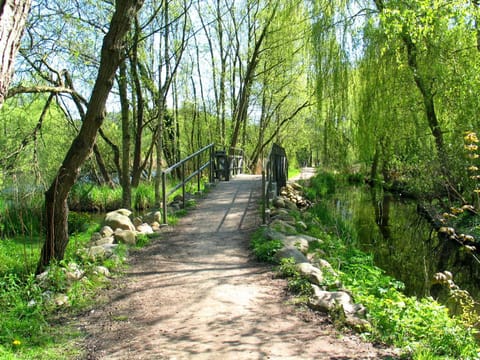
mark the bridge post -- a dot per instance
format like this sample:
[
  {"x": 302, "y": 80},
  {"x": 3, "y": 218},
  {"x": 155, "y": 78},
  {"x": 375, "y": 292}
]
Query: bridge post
[{"x": 164, "y": 197}]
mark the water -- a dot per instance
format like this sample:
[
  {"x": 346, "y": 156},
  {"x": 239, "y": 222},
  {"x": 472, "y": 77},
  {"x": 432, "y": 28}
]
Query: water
[{"x": 402, "y": 242}]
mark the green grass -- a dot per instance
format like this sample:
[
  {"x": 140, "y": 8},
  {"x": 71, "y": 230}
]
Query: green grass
[
  {"x": 29, "y": 327},
  {"x": 423, "y": 328},
  {"x": 264, "y": 249}
]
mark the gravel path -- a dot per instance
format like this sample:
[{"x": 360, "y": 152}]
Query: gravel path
[{"x": 196, "y": 293}]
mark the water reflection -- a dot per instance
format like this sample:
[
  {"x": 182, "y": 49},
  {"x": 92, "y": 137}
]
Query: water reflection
[{"x": 402, "y": 242}]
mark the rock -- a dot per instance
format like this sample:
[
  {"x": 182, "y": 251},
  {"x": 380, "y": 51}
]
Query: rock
[
  {"x": 137, "y": 221},
  {"x": 313, "y": 274},
  {"x": 101, "y": 270},
  {"x": 290, "y": 252},
  {"x": 300, "y": 241},
  {"x": 96, "y": 236},
  {"x": 144, "y": 229},
  {"x": 42, "y": 278},
  {"x": 109, "y": 250},
  {"x": 289, "y": 219},
  {"x": 283, "y": 227},
  {"x": 73, "y": 272},
  {"x": 96, "y": 252},
  {"x": 175, "y": 206},
  {"x": 105, "y": 240},
  {"x": 118, "y": 220},
  {"x": 155, "y": 226},
  {"x": 124, "y": 212},
  {"x": 106, "y": 231},
  {"x": 125, "y": 237},
  {"x": 279, "y": 202},
  {"x": 271, "y": 234},
  {"x": 324, "y": 265},
  {"x": 153, "y": 216},
  {"x": 60, "y": 299},
  {"x": 296, "y": 187},
  {"x": 327, "y": 301},
  {"x": 296, "y": 241},
  {"x": 289, "y": 204}
]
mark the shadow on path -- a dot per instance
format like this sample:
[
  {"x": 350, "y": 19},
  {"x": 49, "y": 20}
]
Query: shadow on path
[{"x": 196, "y": 293}]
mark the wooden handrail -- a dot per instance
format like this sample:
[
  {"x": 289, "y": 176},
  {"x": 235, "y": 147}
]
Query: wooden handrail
[{"x": 274, "y": 172}]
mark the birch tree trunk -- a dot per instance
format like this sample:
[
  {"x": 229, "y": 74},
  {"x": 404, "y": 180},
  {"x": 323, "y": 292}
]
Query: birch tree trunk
[{"x": 13, "y": 15}]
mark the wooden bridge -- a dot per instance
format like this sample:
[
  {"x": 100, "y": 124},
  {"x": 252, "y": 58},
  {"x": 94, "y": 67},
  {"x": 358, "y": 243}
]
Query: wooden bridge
[{"x": 222, "y": 166}]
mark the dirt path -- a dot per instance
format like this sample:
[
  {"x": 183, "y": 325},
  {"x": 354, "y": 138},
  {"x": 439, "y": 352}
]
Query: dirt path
[{"x": 196, "y": 293}]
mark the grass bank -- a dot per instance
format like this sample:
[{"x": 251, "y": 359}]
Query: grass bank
[{"x": 421, "y": 327}]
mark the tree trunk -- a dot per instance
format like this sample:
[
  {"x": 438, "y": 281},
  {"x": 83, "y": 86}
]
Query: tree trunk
[
  {"x": 13, "y": 15},
  {"x": 137, "y": 152},
  {"x": 125, "y": 179},
  {"x": 56, "y": 196}
]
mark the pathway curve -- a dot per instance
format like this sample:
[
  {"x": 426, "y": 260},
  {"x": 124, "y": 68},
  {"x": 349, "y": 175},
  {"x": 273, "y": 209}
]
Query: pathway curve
[{"x": 196, "y": 293}]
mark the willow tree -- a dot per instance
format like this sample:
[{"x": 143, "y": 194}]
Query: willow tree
[
  {"x": 432, "y": 39},
  {"x": 282, "y": 90},
  {"x": 56, "y": 196},
  {"x": 332, "y": 67}
]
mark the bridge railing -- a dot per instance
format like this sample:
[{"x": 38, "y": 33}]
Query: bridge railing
[
  {"x": 236, "y": 161},
  {"x": 274, "y": 176},
  {"x": 202, "y": 159}
]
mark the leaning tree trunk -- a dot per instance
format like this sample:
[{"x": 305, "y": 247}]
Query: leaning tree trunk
[
  {"x": 13, "y": 15},
  {"x": 56, "y": 196}
]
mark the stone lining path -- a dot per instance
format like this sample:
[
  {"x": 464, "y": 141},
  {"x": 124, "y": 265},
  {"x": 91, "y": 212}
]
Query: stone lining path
[{"x": 197, "y": 293}]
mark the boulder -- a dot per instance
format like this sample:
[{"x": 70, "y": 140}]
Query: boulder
[
  {"x": 96, "y": 252},
  {"x": 153, "y": 216},
  {"x": 105, "y": 240},
  {"x": 291, "y": 205},
  {"x": 313, "y": 274},
  {"x": 60, "y": 299},
  {"x": 118, "y": 220},
  {"x": 155, "y": 226},
  {"x": 327, "y": 301},
  {"x": 300, "y": 241},
  {"x": 125, "y": 212},
  {"x": 101, "y": 270},
  {"x": 283, "y": 227},
  {"x": 106, "y": 231},
  {"x": 297, "y": 241},
  {"x": 96, "y": 236},
  {"x": 109, "y": 250},
  {"x": 285, "y": 217},
  {"x": 271, "y": 234},
  {"x": 125, "y": 236},
  {"x": 144, "y": 229},
  {"x": 324, "y": 265},
  {"x": 73, "y": 272},
  {"x": 279, "y": 202},
  {"x": 290, "y": 252},
  {"x": 301, "y": 225}
]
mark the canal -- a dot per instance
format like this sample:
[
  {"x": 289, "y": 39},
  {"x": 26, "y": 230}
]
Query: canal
[{"x": 402, "y": 242}]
